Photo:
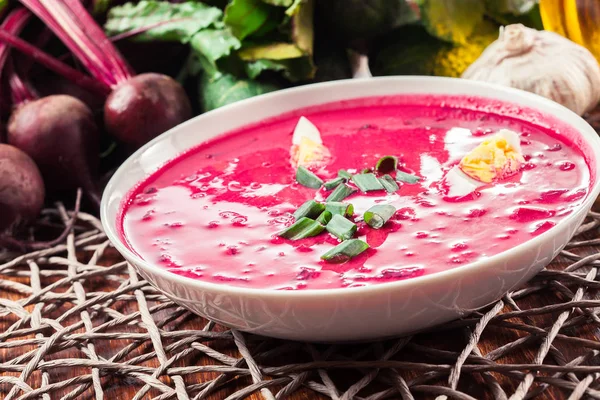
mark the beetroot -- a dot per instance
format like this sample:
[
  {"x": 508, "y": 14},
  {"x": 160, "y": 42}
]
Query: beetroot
[
  {"x": 58, "y": 132},
  {"x": 155, "y": 102},
  {"x": 139, "y": 108},
  {"x": 21, "y": 187}
]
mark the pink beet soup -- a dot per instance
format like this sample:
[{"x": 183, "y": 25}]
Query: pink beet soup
[{"x": 214, "y": 213}]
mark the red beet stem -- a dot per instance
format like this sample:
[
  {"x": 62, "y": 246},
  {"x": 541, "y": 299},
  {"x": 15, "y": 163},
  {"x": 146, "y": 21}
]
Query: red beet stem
[
  {"x": 70, "y": 21},
  {"x": 19, "y": 90},
  {"x": 55, "y": 65},
  {"x": 14, "y": 24}
]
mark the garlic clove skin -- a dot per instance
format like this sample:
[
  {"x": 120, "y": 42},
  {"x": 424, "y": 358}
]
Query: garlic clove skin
[{"x": 541, "y": 62}]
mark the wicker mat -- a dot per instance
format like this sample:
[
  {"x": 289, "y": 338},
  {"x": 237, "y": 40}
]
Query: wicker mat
[{"x": 78, "y": 322}]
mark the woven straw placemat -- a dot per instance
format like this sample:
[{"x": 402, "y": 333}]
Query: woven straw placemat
[{"x": 77, "y": 322}]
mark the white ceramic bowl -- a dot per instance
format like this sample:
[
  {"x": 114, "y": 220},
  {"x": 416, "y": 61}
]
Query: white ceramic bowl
[{"x": 370, "y": 312}]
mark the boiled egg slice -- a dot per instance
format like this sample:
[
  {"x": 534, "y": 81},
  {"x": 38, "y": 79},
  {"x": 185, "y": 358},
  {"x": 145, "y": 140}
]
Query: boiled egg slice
[
  {"x": 307, "y": 146},
  {"x": 495, "y": 159}
]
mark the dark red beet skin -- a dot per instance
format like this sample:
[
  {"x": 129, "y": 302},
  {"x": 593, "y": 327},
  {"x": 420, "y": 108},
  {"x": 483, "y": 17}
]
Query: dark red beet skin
[
  {"x": 145, "y": 106},
  {"x": 21, "y": 187},
  {"x": 59, "y": 133}
]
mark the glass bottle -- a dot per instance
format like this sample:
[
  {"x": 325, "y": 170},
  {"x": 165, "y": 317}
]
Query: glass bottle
[{"x": 578, "y": 20}]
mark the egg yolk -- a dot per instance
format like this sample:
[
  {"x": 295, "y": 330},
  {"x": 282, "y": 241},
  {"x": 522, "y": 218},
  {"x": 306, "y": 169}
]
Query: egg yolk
[{"x": 494, "y": 159}]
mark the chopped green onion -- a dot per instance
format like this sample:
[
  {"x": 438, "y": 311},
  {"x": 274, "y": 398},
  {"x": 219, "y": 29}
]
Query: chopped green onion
[
  {"x": 386, "y": 164},
  {"x": 389, "y": 184},
  {"x": 340, "y": 193},
  {"x": 367, "y": 182},
  {"x": 366, "y": 170},
  {"x": 332, "y": 184},
  {"x": 337, "y": 207},
  {"x": 341, "y": 228},
  {"x": 307, "y": 178},
  {"x": 325, "y": 217},
  {"x": 303, "y": 228},
  {"x": 408, "y": 178},
  {"x": 342, "y": 173},
  {"x": 378, "y": 215},
  {"x": 310, "y": 209},
  {"x": 345, "y": 251}
]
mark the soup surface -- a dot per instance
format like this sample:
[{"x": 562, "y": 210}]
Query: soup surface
[{"x": 214, "y": 213}]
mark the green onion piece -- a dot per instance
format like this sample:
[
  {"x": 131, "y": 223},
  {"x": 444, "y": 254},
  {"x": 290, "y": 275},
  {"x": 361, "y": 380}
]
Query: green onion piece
[
  {"x": 378, "y": 215},
  {"x": 340, "y": 193},
  {"x": 303, "y": 228},
  {"x": 386, "y": 164},
  {"x": 345, "y": 251},
  {"x": 341, "y": 228},
  {"x": 408, "y": 178},
  {"x": 325, "y": 217},
  {"x": 307, "y": 178},
  {"x": 310, "y": 209},
  {"x": 332, "y": 184},
  {"x": 367, "y": 182},
  {"x": 339, "y": 208},
  {"x": 342, "y": 173},
  {"x": 366, "y": 171},
  {"x": 389, "y": 184}
]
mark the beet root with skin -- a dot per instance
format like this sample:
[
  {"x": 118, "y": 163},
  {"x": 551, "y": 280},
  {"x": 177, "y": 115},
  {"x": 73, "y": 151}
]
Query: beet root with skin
[
  {"x": 145, "y": 106},
  {"x": 21, "y": 187},
  {"x": 59, "y": 133}
]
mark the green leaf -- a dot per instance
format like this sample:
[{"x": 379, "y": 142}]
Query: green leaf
[
  {"x": 294, "y": 60},
  {"x": 222, "y": 89},
  {"x": 514, "y": 7},
  {"x": 255, "y": 68},
  {"x": 162, "y": 21},
  {"x": 294, "y": 7},
  {"x": 507, "y": 12},
  {"x": 98, "y": 6},
  {"x": 302, "y": 26},
  {"x": 350, "y": 20},
  {"x": 294, "y": 69},
  {"x": 271, "y": 51},
  {"x": 283, "y": 57},
  {"x": 245, "y": 17},
  {"x": 279, "y": 3},
  {"x": 451, "y": 20},
  {"x": 214, "y": 44}
]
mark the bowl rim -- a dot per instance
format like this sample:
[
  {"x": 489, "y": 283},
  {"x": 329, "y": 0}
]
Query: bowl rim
[{"x": 589, "y": 135}]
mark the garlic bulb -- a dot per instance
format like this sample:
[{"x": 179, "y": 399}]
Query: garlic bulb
[{"x": 541, "y": 62}]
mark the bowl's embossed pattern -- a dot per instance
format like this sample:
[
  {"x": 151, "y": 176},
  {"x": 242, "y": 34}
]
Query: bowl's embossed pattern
[{"x": 346, "y": 314}]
